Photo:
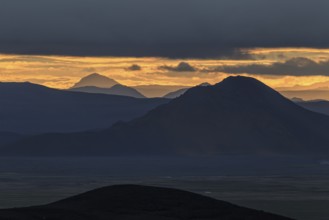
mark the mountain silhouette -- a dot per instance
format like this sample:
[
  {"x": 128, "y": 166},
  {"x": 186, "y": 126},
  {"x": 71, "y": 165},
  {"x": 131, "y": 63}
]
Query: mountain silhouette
[
  {"x": 157, "y": 90},
  {"x": 96, "y": 80},
  {"x": 239, "y": 115},
  {"x": 175, "y": 94},
  {"x": 96, "y": 83},
  {"x": 117, "y": 89},
  {"x": 135, "y": 202},
  {"x": 31, "y": 109}
]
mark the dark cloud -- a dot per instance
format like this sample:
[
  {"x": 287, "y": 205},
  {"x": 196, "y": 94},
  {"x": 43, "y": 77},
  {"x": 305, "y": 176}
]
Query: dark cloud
[
  {"x": 181, "y": 67},
  {"x": 174, "y": 29},
  {"x": 134, "y": 67},
  {"x": 299, "y": 66},
  {"x": 30, "y": 59}
]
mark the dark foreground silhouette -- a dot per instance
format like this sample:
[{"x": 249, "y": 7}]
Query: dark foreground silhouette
[{"x": 137, "y": 202}]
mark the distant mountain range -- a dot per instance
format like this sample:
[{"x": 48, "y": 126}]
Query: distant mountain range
[
  {"x": 97, "y": 83},
  {"x": 28, "y": 108},
  {"x": 239, "y": 115},
  {"x": 307, "y": 94},
  {"x": 315, "y": 86},
  {"x": 175, "y": 94},
  {"x": 114, "y": 90},
  {"x": 135, "y": 202},
  {"x": 320, "y": 106},
  {"x": 158, "y": 90}
]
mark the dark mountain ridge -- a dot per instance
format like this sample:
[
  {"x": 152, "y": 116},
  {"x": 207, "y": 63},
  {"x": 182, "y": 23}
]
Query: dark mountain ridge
[
  {"x": 239, "y": 115},
  {"x": 157, "y": 90},
  {"x": 177, "y": 93},
  {"x": 138, "y": 202},
  {"x": 30, "y": 109}
]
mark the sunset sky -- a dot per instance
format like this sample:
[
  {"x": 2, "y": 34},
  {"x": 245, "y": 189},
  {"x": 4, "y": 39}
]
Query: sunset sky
[
  {"x": 55, "y": 43},
  {"x": 264, "y": 64}
]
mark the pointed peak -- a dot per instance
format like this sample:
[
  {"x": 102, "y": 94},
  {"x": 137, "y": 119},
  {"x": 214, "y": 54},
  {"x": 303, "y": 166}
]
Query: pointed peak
[
  {"x": 97, "y": 80},
  {"x": 120, "y": 86},
  {"x": 95, "y": 75}
]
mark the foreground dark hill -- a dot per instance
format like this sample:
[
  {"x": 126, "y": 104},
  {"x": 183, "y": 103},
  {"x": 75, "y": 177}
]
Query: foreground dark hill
[
  {"x": 29, "y": 108},
  {"x": 240, "y": 115},
  {"x": 132, "y": 202},
  {"x": 114, "y": 90}
]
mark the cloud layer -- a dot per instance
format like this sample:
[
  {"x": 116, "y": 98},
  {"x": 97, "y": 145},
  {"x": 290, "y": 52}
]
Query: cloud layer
[
  {"x": 299, "y": 66},
  {"x": 174, "y": 29},
  {"x": 181, "y": 67},
  {"x": 134, "y": 67}
]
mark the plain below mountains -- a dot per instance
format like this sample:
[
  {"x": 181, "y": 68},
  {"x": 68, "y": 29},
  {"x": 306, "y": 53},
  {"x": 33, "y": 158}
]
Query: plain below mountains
[
  {"x": 239, "y": 115},
  {"x": 135, "y": 202},
  {"x": 31, "y": 109}
]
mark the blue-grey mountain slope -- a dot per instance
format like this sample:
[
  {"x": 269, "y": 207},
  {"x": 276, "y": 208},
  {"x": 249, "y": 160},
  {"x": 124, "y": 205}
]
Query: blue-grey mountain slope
[
  {"x": 28, "y": 108},
  {"x": 320, "y": 106},
  {"x": 175, "y": 94},
  {"x": 239, "y": 115}
]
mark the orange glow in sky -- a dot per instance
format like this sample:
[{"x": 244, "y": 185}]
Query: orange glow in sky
[{"x": 62, "y": 71}]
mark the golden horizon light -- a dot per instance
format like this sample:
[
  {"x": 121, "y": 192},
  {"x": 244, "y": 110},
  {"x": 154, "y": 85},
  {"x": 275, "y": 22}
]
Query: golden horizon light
[{"x": 63, "y": 71}]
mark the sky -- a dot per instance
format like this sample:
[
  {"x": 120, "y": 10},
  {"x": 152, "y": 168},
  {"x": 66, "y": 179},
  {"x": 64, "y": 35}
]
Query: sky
[{"x": 185, "y": 42}]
